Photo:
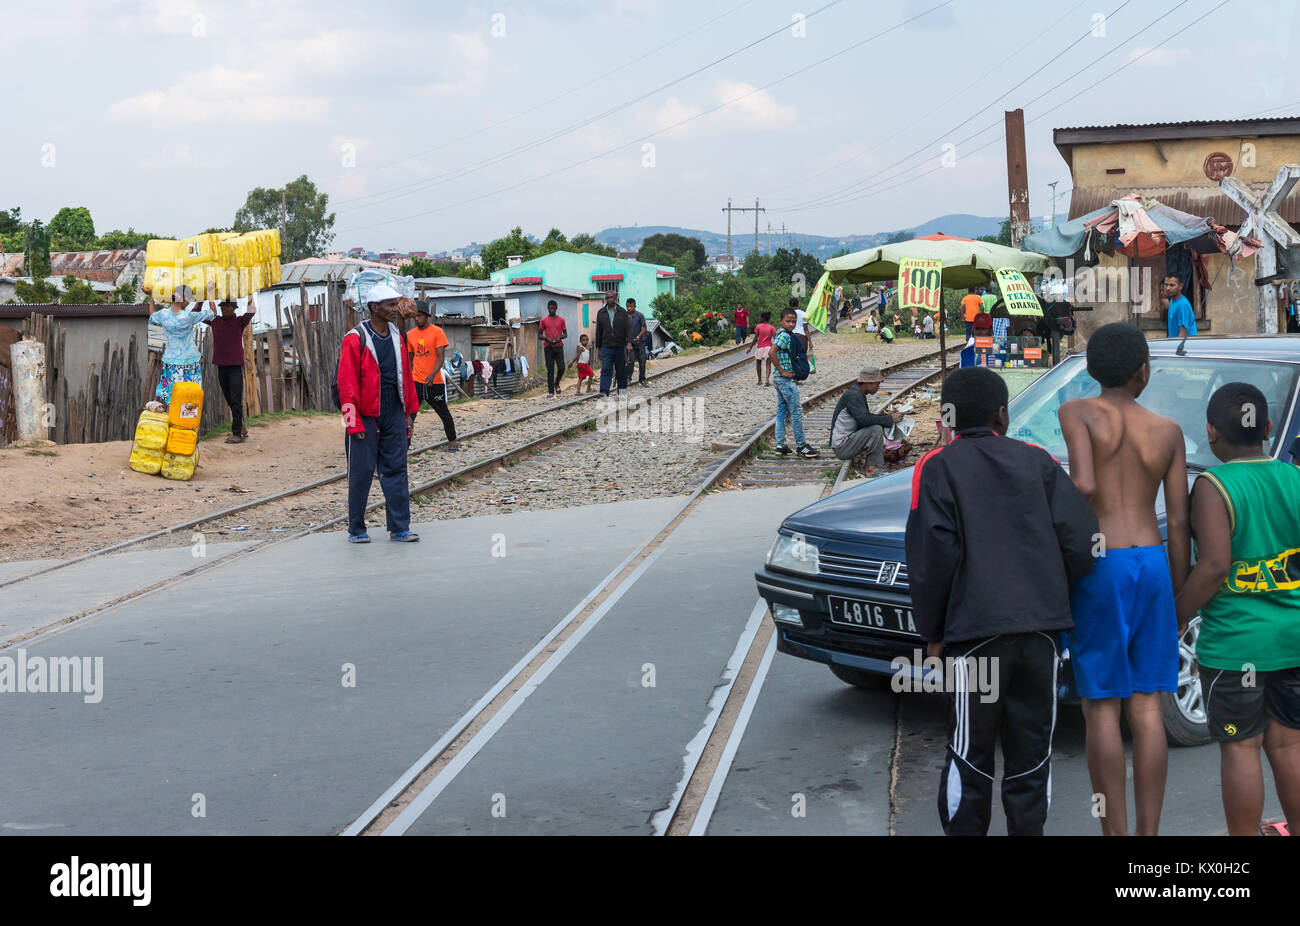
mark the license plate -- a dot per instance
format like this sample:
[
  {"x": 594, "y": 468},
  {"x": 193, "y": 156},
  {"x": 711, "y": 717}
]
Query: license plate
[{"x": 876, "y": 616}]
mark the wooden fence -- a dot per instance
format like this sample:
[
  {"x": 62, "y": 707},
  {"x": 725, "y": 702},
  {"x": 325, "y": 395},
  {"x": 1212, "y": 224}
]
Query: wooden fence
[{"x": 293, "y": 373}]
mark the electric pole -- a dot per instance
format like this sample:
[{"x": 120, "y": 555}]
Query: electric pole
[
  {"x": 1017, "y": 176},
  {"x": 756, "y": 209}
]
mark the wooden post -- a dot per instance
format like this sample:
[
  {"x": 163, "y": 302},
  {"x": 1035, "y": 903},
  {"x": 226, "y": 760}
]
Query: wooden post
[{"x": 1017, "y": 176}]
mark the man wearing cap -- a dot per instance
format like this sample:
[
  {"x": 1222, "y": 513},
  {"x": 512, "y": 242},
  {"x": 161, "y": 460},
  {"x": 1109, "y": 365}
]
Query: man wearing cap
[
  {"x": 855, "y": 429},
  {"x": 228, "y": 357},
  {"x": 427, "y": 345},
  {"x": 377, "y": 394}
]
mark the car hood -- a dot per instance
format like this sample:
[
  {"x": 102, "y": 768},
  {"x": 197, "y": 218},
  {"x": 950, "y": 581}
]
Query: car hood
[
  {"x": 875, "y": 513},
  {"x": 876, "y": 510}
]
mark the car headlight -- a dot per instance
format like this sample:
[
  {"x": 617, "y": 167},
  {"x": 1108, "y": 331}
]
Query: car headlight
[{"x": 794, "y": 554}]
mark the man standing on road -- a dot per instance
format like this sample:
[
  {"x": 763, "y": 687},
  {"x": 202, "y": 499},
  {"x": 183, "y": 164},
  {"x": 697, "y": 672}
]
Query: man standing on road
[
  {"x": 611, "y": 343},
  {"x": 427, "y": 344},
  {"x": 637, "y": 335},
  {"x": 228, "y": 356},
  {"x": 742, "y": 323},
  {"x": 553, "y": 332},
  {"x": 1124, "y": 645},
  {"x": 377, "y": 394},
  {"x": 1182, "y": 320},
  {"x": 856, "y": 430}
]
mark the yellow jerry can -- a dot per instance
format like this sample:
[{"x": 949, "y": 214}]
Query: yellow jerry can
[
  {"x": 182, "y": 441},
  {"x": 186, "y": 406},
  {"x": 151, "y": 431},
  {"x": 146, "y": 461},
  {"x": 159, "y": 282},
  {"x": 180, "y": 465}
]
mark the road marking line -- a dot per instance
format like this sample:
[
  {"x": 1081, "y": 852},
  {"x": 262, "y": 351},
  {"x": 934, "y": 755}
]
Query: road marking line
[
  {"x": 710, "y": 801},
  {"x": 695, "y": 748}
]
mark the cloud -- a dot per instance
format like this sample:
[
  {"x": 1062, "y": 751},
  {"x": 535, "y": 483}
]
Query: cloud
[
  {"x": 179, "y": 157},
  {"x": 755, "y": 111},
  {"x": 1152, "y": 57},
  {"x": 467, "y": 57},
  {"x": 672, "y": 111},
  {"x": 220, "y": 96}
]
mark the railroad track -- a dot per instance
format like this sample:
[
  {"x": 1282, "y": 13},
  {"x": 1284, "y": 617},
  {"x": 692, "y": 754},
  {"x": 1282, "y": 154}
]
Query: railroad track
[
  {"x": 718, "y": 366},
  {"x": 395, "y": 810}
]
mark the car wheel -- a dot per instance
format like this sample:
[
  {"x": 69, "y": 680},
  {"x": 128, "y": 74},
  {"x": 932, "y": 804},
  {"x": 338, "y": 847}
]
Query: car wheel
[
  {"x": 1184, "y": 709},
  {"x": 860, "y": 678}
]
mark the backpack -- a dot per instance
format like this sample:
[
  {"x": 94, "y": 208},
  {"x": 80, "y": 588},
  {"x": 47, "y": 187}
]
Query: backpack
[
  {"x": 1064, "y": 318},
  {"x": 799, "y": 359}
]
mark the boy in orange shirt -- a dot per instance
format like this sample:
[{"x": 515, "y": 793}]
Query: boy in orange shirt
[{"x": 427, "y": 345}]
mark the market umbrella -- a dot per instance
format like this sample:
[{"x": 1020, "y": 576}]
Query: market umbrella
[{"x": 965, "y": 263}]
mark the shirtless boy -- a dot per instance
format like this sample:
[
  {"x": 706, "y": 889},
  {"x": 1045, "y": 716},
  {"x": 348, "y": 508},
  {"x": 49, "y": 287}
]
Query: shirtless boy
[{"x": 1125, "y": 639}]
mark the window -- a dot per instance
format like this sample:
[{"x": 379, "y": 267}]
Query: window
[{"x": 608, "y": 286}]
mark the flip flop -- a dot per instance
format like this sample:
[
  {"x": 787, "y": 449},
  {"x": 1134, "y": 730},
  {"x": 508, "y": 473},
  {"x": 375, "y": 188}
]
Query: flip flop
[
  {"x": 358, "y": 538},
  {"x": 405, "y": 537},
  {"x": 1274, "y": 829}
]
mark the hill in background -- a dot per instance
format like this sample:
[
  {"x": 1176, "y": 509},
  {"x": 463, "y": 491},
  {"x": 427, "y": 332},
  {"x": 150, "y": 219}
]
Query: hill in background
[{"x": 629, "y": 238}]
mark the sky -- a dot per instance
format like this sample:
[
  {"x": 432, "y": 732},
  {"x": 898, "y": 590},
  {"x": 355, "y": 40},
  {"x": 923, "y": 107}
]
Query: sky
[{"x": 434, "y": 124}]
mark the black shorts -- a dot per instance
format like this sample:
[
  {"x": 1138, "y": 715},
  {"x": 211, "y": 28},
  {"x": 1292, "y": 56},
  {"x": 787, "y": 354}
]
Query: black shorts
[{"x": 1236, "y": 711}]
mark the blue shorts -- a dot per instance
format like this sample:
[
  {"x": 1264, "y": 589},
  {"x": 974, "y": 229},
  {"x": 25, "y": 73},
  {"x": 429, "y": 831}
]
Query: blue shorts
[{"x": 1125, "y": 636}]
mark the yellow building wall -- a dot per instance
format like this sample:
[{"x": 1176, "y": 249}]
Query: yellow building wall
[{"x": 1182, "y": 162}]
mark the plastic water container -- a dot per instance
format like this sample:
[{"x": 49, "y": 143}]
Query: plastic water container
[
  {"x": 186, "y": 406},
  {"x": 159, "y": 281},
  {"x": 200, "y": 249},
  {"x": 179, "y": 466},
  {"x": 151, "y": 431},
  {"x": 146, "y": 461},
  {"x": 182, "y": 441}
]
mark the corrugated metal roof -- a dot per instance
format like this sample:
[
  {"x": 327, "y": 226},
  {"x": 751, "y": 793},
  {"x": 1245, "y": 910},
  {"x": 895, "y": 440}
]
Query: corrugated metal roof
[
  {"x": 1274, "y": 125},
  {"x": 97, "y": 266},
  {"x": 498, "y": 291},
  {"x": 1198, "y": 199},
  {"x": 315, "y": 270}
]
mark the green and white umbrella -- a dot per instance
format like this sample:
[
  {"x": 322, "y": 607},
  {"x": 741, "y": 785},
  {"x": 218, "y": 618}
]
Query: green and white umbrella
[{"x": 965, "y": 263}]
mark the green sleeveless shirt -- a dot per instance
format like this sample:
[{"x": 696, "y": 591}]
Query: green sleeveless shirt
[{"x": 1254, "y": 618}]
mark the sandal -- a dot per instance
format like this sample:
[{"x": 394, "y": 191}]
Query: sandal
[{"x": 235, "y": 439}]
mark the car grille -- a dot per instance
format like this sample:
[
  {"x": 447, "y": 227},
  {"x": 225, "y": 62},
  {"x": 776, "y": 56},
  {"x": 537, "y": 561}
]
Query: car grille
[{"x": 862, "y": 570}]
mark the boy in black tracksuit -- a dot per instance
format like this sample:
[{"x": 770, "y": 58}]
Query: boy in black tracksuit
[{"x": 996, "y": 536}]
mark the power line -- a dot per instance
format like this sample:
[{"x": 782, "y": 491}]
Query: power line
[
  {"x": 559, "y": 96},
  {"x": 874, "y": 179},
  {"x": 658, "y": 132},
  {"x": 882, "y": 186},
  {"x": 474, "y": 167}
]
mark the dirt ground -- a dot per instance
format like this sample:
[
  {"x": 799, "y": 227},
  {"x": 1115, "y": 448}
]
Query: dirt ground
[{"x": 62, "y": 500}]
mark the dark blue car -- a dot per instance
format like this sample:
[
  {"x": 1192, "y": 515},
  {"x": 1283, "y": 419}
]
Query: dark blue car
[{"x": 835, "y": 579}]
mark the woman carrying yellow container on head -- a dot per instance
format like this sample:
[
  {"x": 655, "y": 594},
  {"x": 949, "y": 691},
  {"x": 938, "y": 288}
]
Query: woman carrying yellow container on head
[{"x": 180, "y": 362}]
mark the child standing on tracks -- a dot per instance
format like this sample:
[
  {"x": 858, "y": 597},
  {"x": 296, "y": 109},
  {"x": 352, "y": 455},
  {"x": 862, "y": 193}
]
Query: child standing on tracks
[
  {"x": 583, "y": 364},
  {"x": 1124, "y": 645},
  {"x": 982, "y": 486},
  {"x": 791, "y": 367},
  {"x": 1246, "y": 584},
  {"x": 761, "y": 345}
]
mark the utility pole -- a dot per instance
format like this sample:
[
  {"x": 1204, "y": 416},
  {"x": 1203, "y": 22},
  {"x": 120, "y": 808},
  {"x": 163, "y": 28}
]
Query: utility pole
[
  {"x": 756, "y": 209},
  {"x": 1051, "y": 221},
  {"x": 1017, "y": 176},
  {"x": 769, "y": 239}
]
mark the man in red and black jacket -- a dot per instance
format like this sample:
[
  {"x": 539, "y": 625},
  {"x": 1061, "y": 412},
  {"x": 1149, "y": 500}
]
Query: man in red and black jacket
[
  {"x": 377, "y": 395},
  {"x": 996, "y": 536}
]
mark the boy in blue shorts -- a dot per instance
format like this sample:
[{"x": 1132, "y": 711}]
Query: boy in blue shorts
[
  {"x": 1246, "y": 584},
  {"x": 1124, "y": 645}
]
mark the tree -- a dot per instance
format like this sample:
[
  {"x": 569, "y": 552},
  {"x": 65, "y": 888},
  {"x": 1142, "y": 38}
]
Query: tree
[
  {"x": 298, "y": 210},
  {"x": 674, "y": 246},
  {"x": 1002, "y": 237},
  {"x": 494, "y": 253},
  {"x": 72, "y": 229},
  {"x": 117, "y": 239},
  {"x": 11, "y": 220},
  {"x": 899, "y": 236},
  {"x": 37, "y": 249},
  {"x": 126, "y": 293},
  {"x": 755, "y": 265},
  {"x": 79, "y": 292},
  {"x": 583, "y": 243}
]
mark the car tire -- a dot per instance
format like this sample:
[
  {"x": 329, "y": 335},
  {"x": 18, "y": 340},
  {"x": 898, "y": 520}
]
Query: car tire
[
  {"x": 859, "y": 678},
  {"x": 1184, "y": 710}
]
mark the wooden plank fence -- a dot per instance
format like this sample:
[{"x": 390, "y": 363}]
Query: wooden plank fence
[{"x": 276, "y": 377}]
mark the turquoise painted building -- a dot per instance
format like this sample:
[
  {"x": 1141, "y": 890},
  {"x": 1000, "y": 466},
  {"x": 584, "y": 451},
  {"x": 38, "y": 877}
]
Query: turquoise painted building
[{"x": 588, "y": 273}]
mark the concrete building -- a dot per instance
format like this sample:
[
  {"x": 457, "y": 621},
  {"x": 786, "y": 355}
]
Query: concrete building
[
  {"x": 595, "y": 273},
  {"x": 111, "y": 267},
  {"x": 1179, "y": 164},
  {"x": 488, "y": 304}
]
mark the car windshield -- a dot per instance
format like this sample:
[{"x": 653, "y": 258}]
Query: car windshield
[{"x": 1180, "y": 388}]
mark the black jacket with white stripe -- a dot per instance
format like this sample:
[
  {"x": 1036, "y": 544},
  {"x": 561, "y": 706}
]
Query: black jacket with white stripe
[{"x": 996, "y": 537}]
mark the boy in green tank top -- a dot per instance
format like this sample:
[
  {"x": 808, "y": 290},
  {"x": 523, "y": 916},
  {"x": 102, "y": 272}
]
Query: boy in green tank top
[{"x": 1246, "y": 584}]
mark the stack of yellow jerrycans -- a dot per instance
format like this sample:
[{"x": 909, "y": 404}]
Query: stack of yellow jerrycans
[
  {"x": 169, "y": 444},
  {"x": 237, "y": 264}
]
